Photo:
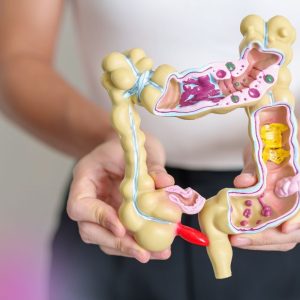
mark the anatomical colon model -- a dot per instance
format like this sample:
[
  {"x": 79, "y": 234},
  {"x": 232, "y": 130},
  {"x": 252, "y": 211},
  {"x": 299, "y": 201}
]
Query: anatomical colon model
[{"x": 259, "y": 81}]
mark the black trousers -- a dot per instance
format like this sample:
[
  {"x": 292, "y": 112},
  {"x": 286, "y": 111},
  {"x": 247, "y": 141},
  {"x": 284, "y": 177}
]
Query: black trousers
[{"x": 83, "y": 272}]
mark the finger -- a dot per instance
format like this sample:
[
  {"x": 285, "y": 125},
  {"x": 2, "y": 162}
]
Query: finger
[
  {"x": 93, "y": 234},
  {"x": 160, "y": 176},
  {"x": 162, "y": 255},
  {"x": 98, "y": 212},
  {"x": 248, "y": 175},
  {"x": 290, "y": 225},
  {"x": 83, "y": 206},
  {"x": 114, "y": 252},
  {"x": 132, "y": 254},
  {"x": 156, "y": 161},
  {"x": 154, "y": 256},
  {"x": 244, "y": 180},
  {"x": 267, "y": 237},
  {"x": 279, "y": 247}
]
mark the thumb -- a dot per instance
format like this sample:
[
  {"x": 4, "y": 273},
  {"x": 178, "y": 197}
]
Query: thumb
[
  {"x": 248, "y": 175},
  {"x": 160, "y": 176},
  {"x": 291, "y": 224},
  {"x": 246, "y": 178},
  {"x": 156, "y": 163}
]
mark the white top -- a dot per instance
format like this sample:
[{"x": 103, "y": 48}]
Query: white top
[{"x": 185, "y": 34}]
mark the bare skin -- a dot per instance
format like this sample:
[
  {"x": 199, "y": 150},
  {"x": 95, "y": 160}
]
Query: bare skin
[
  {"x": 282, "y": 238},
  {"x": 33, "y": 95},
  {"x": 95, "y": 198}
]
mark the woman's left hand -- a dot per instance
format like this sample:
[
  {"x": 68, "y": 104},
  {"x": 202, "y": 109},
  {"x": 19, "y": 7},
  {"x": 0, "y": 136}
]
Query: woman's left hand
[{"x": 282, "y": 238}]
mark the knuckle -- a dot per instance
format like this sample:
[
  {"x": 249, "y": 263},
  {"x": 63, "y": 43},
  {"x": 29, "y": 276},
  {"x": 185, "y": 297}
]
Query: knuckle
[
  {"x": 100, "y": 215},
  {"x": 119, "y": 244},
  {"x": 103, "y": 216},
  {"x": 265, "y": 242},
  {"x": 83, "y": 232}
]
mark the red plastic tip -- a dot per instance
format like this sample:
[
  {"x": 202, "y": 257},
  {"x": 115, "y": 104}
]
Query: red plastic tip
[{"x": 192, "y": 235}]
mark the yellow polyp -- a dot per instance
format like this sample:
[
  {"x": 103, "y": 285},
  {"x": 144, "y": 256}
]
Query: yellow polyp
[
  {"x": 277, "y": 156},
  {"x": 271, "y": 135}
]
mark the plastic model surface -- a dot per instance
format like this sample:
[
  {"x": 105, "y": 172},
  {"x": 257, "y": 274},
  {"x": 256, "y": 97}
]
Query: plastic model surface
[{"x": 259, "y": 82}]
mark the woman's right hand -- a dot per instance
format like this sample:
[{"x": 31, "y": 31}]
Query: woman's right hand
[{"x": 94, "y": 198}]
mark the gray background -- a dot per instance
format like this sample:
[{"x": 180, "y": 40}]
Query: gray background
[{"x": 33, "y": 178}]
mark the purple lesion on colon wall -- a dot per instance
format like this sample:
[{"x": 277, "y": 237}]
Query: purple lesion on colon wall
[{"x": 199, "y": 89}]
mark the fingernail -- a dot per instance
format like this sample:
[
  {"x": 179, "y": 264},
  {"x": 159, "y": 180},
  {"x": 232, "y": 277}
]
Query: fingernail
[{"x": 241, "y": 242}]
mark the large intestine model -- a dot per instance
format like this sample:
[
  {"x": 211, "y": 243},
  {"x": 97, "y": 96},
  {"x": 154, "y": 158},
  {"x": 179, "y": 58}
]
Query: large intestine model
[{"x": 259, "y": 81}]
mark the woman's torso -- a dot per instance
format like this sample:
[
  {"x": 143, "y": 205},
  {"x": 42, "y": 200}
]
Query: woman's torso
[{"x": 185, "y": 34}]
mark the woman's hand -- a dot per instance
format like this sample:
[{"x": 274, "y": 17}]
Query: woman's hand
[
  {"x": 95, "y": 198},
  {"x": 282, "y": 238}
]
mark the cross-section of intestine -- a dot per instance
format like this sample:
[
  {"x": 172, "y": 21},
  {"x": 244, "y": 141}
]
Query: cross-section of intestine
[
  {"x": 261, "y": 207},
  {"x": 220, "y": 85}
]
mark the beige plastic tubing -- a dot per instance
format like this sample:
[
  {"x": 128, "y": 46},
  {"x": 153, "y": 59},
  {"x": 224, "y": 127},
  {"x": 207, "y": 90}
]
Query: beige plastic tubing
[{"x": 258, "y": 81}]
